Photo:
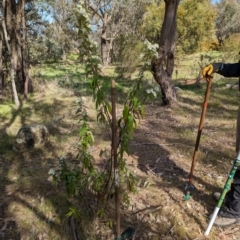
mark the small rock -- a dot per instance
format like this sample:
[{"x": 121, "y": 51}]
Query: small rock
[{"x": 30, "y": 137}]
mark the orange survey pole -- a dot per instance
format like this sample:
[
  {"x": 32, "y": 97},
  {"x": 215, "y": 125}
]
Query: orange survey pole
[
  {"x": 115, "y": 163},
  {"x": 189, "y": 186}
]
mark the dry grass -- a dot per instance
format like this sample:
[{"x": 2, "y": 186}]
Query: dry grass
[{"x": 161, "y": 154}]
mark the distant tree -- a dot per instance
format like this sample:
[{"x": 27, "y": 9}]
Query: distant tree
[
  {"x": 196, "y": 26},
  {"x": 128, "y": 42},
  {"x": 114, "y": 20},
  {"x": 36, "y": 14},
  {"x": 152, "y": 21},
  {"x": 61, "y": 33},
  {"x": 231, "y": 48},
  {"x": 227, "y": 20},
  {"x": 101, "y": 16}
]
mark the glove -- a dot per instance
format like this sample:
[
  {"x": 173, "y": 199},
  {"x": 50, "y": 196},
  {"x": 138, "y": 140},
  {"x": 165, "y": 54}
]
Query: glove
[{"x": 211, "y": 68}]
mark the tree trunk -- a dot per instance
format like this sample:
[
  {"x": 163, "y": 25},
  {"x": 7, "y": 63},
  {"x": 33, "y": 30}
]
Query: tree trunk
[
  {"x": 163, "y": 64},
  {"x": 25, "y": 65},
  {"x": 17, "y": 40},
  {"x": 7, "y": 18},
  {"x": 16, "y": 31},
  {"x": 64, "y": 54},
  {"x": 1, "y": 64},
  {"x": 104, "y": 46}
]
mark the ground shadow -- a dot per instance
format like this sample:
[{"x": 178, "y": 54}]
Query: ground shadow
[
  {"x": 25, "y": 182},
  {"x": 150, "y": 149}
]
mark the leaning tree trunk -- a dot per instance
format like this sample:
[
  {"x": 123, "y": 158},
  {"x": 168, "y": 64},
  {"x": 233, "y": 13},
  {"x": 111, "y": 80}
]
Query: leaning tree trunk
[{"x": 162, "y": 66}]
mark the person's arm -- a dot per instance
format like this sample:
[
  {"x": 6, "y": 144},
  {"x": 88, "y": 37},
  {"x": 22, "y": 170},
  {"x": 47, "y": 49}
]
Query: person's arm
[
  {"x": 225, "y": 69},
  {"x": 230, "y": 70}
]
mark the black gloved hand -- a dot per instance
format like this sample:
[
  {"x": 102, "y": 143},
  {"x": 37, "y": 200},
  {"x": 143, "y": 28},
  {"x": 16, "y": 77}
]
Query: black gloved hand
[{"x": 211, "y": 68}]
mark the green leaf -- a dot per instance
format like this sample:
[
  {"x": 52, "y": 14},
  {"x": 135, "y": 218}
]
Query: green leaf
[
  {"x": 73, "y": 212},
  {"x": 101, "y": 212},
  {"x": 135, "y": 102},
  {"x": 109, "y": 107},
  {"x": 99, "y": 99},
  {"x": 130, "y": 123},
  {"x": 125, "y": 112},
  {"x": 83, "y": 130}
]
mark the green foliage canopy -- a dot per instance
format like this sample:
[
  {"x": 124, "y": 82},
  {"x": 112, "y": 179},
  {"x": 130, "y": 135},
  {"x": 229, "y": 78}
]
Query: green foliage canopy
[
  {"x": 231, "y": 48},
  {"x": 227, "y": 19},
  {"x": 195, "y": 24}
]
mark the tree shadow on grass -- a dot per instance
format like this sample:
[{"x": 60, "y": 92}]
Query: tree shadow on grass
[
  {"x": 21, "y": 186},
  {"x": 30, "y": 204}
]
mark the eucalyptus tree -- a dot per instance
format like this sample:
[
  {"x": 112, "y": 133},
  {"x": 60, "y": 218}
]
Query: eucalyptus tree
[
  {"x": 227, "y": 21},
  {"x": 1, "y": 61},
  {"x": 152, "y": 21},
  {"x": 184, "y": 24},
  {"x": 112, "y": 19},
  {"x": 14, "y": 41},
  {"x": 101, "y": 16},
  {"x": 37, "y": 18},
  {"x": 195, "y": 31},
  {"x": 127, "y": 16},
  {"x": 61, "y": 32},
  {"x": 163, "y": 63},
  {"x": 11, "y": 41},
  {"x": 195, "y": 24}
]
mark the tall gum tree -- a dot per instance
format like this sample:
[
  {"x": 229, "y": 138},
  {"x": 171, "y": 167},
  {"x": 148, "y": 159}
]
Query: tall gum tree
[
  {"x": 227, "y": 20},
  {"x": 1, "y": 63},
  {"x": 114, "y": 20},
  {"x": 101, "y": 9},
  {"x": 13, "y": 27},
  {"x": 1, "y": 53},
  {"x": 6, "y": 18},
  {"x": 163, "y": 64}
]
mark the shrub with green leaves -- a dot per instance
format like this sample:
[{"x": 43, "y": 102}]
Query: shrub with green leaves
[{"x": 84, "y": 181}]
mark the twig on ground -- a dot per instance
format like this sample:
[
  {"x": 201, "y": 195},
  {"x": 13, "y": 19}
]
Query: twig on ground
[
  {"x": 159, "y": 144},
  {"x": 169, "y": 231},
  {"x": 141, "y": 221},
  {"x": 74, "y": 230}
]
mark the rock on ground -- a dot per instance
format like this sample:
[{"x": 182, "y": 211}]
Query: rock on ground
[{"x": 30, "y": 136}]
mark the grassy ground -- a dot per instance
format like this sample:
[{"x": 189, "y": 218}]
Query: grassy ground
[{"x": 31, "y": 207}]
